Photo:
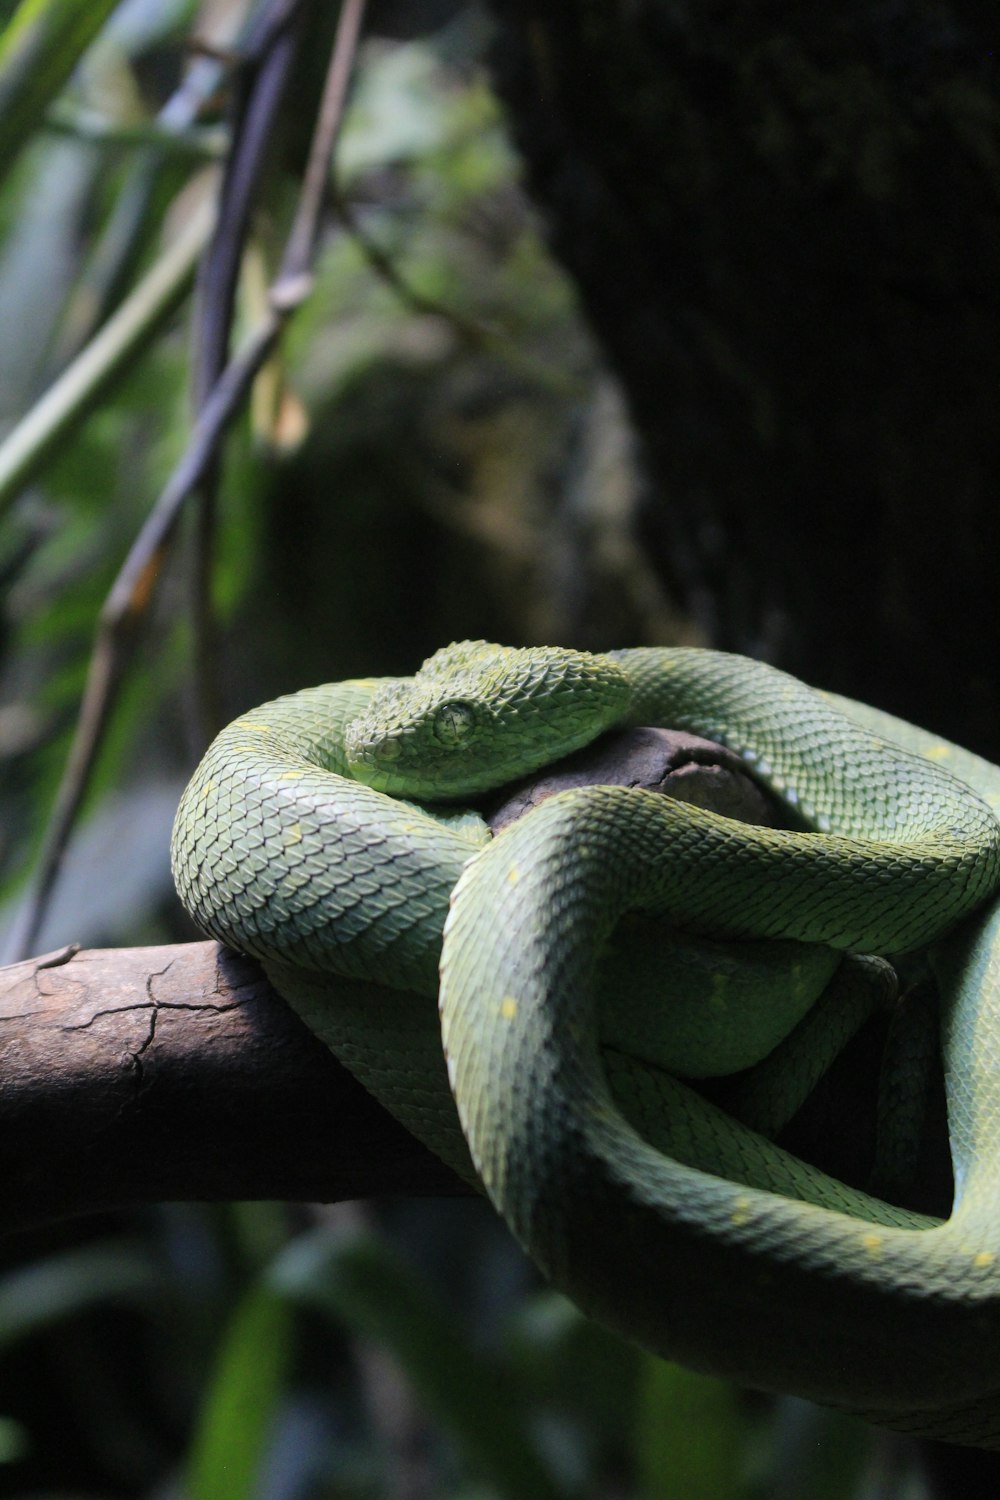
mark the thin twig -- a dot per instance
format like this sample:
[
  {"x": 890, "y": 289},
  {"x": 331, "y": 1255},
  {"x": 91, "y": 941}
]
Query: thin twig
[
  {"x": 295, "y": 276},
  {"x": 127, "y": 603},
  {"x": 475, "y": 334},
  {"x": 261, "y": 83},
  {"x": 260, "y": 88},
  {"x": 123, "y": 612}
]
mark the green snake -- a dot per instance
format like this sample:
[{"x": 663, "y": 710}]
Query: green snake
[{"x": 331, "y": 834}]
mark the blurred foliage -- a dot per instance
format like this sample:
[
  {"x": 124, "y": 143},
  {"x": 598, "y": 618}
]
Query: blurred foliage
[{"x": 436, "y": 453}]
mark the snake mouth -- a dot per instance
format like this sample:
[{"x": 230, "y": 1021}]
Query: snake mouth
[{"x": 386, "y": 764}]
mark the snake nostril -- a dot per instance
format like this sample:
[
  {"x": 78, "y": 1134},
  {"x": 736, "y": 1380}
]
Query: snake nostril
[{"x": 387, "y": 749}]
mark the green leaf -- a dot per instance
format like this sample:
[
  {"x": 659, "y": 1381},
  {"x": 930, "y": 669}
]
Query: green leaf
[
  {"x": 820, "y": 1453},
  {"x": 690, "y": 1437},
  {"x": 39, "y": 49},
  {"x": 127, "y": 333},
  {"x": 248, "y": 1382},
  {"x": 36, "y": 1296},
  {"x": 358, "y": 1282},
  {"x": 14, "y": 1443},
  {"x": 572, "y": 1366}
]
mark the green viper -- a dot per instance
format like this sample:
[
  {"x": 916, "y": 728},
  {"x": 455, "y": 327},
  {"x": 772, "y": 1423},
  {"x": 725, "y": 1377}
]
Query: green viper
[{"x": 297, "y": 841}]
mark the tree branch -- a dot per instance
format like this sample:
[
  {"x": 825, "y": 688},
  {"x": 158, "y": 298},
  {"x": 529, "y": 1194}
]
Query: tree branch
[{"x": 137, "y": 1075}]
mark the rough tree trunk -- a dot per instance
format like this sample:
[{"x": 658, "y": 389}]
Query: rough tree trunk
[{"x": 785, "y": 225}]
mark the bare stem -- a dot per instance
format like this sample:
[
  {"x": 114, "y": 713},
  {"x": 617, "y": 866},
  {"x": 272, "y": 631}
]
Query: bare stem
[
  {"x": 300, "y": 250},
  {"x": 260, "y": 88}
]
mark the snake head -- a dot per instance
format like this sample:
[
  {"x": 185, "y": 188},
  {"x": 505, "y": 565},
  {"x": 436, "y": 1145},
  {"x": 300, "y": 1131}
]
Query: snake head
[{"x": 476, "y": 716}]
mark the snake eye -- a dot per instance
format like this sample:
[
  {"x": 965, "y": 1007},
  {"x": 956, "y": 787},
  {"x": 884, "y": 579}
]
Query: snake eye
[{"x": 454, "y": 722}]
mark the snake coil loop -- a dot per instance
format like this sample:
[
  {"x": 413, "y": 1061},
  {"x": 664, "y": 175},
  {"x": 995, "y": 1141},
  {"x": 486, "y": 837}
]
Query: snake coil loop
[{"x": 666, "y": 1218}]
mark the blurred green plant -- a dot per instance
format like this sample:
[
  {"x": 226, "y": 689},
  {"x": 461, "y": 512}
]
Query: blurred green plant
[
  {"x": 41, "y": 45},
  {"x": 244, "y": 1391},
  {"x": 315, "y": 1361}
]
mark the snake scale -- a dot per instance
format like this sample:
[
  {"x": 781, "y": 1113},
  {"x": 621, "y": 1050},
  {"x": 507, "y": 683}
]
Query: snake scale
[{"x": 331, "y": 834}]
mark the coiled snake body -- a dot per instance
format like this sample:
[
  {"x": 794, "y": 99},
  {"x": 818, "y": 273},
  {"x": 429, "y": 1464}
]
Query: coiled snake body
[{"x": 296, "y": 841}]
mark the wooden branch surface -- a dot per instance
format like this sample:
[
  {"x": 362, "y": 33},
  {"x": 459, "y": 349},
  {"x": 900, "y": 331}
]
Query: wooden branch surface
[{"x": 139, "y": 1075}]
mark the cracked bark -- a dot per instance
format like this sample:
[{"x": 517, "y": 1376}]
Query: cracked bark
[
  {"x": 136, "y": 1075},
  {"x": 144, "y": 1074}
]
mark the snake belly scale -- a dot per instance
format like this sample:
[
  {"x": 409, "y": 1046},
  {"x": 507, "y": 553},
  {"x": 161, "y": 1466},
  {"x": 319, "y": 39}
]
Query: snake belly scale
[{"x": 330, "y": 835}]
